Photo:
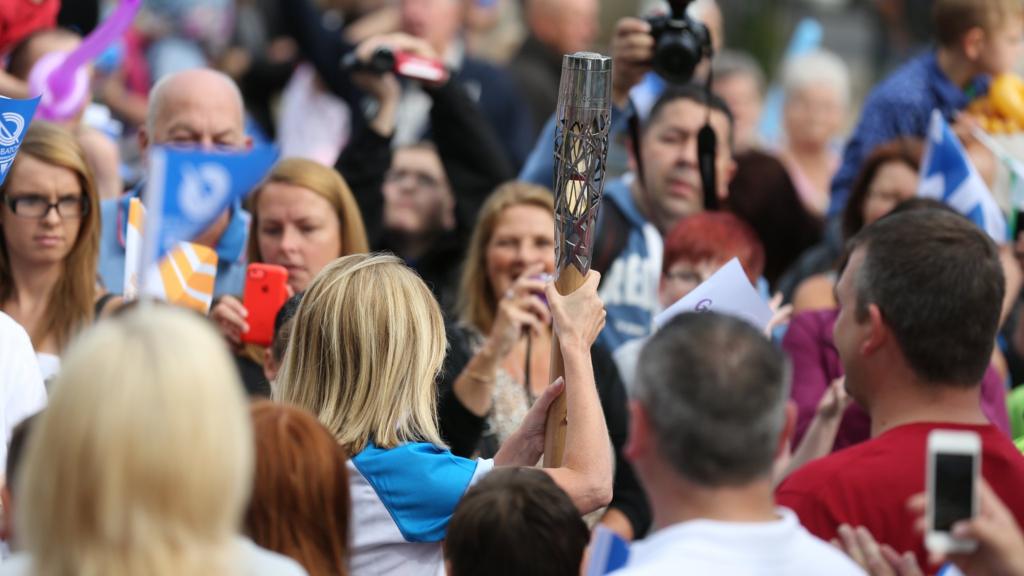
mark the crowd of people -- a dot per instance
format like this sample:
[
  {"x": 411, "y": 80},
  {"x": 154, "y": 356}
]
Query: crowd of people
[{"x": 397, "y": 421}]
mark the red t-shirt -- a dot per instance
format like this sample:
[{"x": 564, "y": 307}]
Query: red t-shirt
[
  {"x": 869, "y": 484},
  {"x": 19, "y": 18}
]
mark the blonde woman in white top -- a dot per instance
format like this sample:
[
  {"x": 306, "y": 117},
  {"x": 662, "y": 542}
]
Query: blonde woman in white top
[
  {"x": 367, "y": 344},
  {"x": 143, "y": 462}
]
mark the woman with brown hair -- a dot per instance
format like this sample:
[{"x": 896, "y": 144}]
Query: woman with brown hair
[
  {"x": 300, "y": 502},
  {"x": 303, "y": 217},
  {"x": 888, "y": 177},
  {"x": 501, "y": 305},
  {"x": 49, "y": 243}
]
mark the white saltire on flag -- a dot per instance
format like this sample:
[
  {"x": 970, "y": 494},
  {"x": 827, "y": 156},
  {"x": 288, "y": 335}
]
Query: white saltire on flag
[{"x": 947, "y": 175}]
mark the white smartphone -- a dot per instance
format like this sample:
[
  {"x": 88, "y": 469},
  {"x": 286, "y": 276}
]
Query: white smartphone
[{"x": 954, "y": 467}]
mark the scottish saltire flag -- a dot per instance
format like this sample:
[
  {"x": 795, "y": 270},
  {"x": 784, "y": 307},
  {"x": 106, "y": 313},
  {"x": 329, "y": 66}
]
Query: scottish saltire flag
[
  {"x": 948, "y": 175},
  {"x": 1014, "y": 181},
  {"x": 185, "y": 277},
  {"x": 15, "y": 116},
  {"x": 188, "y": 189}
]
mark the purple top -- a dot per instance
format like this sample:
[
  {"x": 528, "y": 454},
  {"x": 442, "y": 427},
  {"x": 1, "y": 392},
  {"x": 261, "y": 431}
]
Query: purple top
[{"x": 810, "y": 345}]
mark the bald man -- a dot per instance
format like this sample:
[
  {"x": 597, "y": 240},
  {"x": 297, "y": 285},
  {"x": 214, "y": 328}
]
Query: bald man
[
  {"x": 200, "y": 108},
  {"x": 556, "y": 27}
]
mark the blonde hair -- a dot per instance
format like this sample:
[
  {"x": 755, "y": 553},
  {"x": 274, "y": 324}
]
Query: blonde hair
[
  {"x": 367, "y": 343},
  {"x": 324, "y": 182},
  {"x": 71, "y": 303},
  {"x": 142, "y": 463},
  {"x": 477, "y": 303}
]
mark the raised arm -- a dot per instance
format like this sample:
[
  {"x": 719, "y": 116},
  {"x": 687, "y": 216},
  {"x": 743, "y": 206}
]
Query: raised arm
[
  {"x": 586, "y": 471},
  {"x": 367, "y": 158},
  {"x": 470, "y": 150},
  {"x": 322, "y": 47}
]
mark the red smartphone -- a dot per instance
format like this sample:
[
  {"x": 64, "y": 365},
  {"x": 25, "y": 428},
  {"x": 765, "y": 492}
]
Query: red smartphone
[{"x": 266, "y": 290}]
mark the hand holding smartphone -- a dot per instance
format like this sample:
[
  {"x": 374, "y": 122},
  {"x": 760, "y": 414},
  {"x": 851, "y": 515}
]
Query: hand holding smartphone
[
  {"x": 954, "y": 470},
  {"x": 266, "y": 290}
]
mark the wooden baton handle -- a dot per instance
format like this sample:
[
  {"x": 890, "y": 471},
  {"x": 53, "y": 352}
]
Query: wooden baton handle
[{"x": 554, "y": 436}]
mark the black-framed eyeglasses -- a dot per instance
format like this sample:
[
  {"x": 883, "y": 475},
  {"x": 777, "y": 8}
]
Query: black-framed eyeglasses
[{"x": 34, "y": 206}]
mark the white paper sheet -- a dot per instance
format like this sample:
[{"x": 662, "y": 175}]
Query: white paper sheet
[{"x": 727, "y": 291}]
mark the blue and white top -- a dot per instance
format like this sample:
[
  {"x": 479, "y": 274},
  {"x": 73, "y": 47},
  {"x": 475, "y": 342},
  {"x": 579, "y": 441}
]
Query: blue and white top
[
  {"x": 629, "y": 288},
  {"x": 402, "y": 499}
]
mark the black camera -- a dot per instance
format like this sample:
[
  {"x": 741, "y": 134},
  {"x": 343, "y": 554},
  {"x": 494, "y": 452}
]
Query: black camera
[{"x": 680, "y": 43}]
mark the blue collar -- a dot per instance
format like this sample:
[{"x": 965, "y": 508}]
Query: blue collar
[{"x": 233, "y": 242}]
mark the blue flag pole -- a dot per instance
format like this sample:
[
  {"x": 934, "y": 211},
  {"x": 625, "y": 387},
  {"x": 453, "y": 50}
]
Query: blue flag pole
[{"x": 154, "y": 198}]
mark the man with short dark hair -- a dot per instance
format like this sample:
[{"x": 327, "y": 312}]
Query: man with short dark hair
[
  {"x": 739, "y": 80},
  {"x": 919, "y": 301},
  {"x": 665, "y": 186},
  {"x": 515, "y": 521},
  {"x": 709, "y": 416}
]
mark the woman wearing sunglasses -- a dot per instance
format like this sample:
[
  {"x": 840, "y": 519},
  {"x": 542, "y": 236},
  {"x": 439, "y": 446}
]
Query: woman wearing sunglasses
[{"x": 49, "y": 241}]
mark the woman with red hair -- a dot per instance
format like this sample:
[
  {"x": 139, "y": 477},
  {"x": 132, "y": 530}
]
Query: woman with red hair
[
  {"x": 300, "y": 501},
  {"x": 701, "y": 244},
  {"x": 694, "y": 250}
]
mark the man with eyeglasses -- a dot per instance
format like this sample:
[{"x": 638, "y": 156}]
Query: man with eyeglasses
[{"x": 196, "y": 108}]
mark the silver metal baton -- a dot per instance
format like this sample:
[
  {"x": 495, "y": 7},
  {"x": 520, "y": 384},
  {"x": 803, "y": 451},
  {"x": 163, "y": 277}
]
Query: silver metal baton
[{"x": 581, "y": 150}]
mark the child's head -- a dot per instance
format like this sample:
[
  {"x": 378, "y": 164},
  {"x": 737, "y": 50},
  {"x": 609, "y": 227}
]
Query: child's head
[
  {"x": 26, "y": 53},
  {"x": 282, "y": 334},
  {"x": 987, "y": 32},
  {"x": 516, "y": 521}
]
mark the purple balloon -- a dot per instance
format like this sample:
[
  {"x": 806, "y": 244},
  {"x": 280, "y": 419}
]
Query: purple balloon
[{"x": 61, "y": 79}]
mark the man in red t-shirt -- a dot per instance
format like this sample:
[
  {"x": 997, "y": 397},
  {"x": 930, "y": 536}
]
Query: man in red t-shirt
[{"x": 920, "y": 300}]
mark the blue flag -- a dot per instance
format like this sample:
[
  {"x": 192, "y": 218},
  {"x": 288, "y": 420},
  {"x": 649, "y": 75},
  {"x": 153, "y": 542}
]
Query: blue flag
[
  {"x": 608, "y": 552},
  {"x": 15, "y": 116},
  {"x": 188, "y": 189},
  {"x": 948, "y": 175}
]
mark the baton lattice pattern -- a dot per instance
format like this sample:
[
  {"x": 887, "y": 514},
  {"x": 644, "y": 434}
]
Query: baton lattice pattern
[{"x": 581, "y": 148}]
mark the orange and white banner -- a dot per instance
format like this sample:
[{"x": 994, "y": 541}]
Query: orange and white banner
[{"x": 185, "y": 277}]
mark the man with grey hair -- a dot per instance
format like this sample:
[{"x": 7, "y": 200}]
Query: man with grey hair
[
  {"x": 198, "y": 108},
  {"x": 556, "y": 27},
  {"x": 739, "y": 80},
  {"x": 709, "y": 415}
]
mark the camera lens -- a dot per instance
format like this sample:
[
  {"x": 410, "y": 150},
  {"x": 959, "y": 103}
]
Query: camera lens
[
  {"x": 382, "y": 60},
  {"x": 675, "y": 57}
]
